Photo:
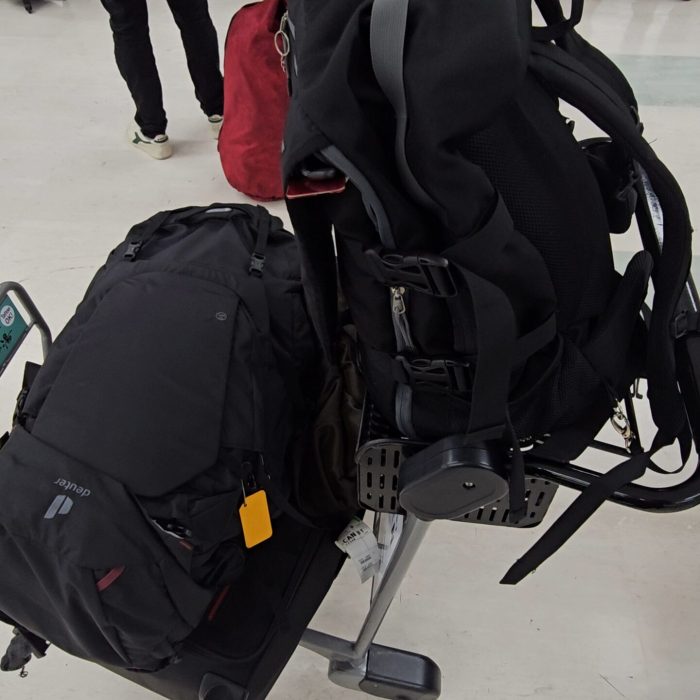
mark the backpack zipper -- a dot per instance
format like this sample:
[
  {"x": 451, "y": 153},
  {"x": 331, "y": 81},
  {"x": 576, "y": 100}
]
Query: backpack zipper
[
  {"x": 402, "y": 328},
  {"x": 404, "y": 342}
]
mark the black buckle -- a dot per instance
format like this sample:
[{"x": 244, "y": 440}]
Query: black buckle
[
  {"x": 423, "y": 272},
  {"x": 445, "y": 374},
  {"x": 628, "y": 192},
  {"x": 132, "y": 250},
  {"x": 637, "y": 119},
  {"x": 257, "y": 263}
]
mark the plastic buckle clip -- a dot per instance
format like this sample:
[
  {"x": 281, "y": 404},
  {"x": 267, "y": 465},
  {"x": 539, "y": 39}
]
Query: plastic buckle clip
[
  {"x": 257, "y": 263},
  {"x": 628, "y": 192},
  {"x": 423, "y": 272},
  {"x": 444, "y": 375},
  {"x": 132, "y": 250}
]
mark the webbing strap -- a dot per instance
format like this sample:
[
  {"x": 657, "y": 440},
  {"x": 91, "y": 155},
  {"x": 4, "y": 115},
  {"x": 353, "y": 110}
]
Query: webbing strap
[
  {"x": 551, "y": 10},
  {"x": 251, "y": 287},
  {"x": 387, "y": 35},
  {"x": 557, "y": 23},
  {"x": 495, "y": 333},
  {"x": 535, "y": 340},
  {"x": 576, "y": 515},
  {"x": 588, "y": 502},
  {"x": 257, "y": 259}
]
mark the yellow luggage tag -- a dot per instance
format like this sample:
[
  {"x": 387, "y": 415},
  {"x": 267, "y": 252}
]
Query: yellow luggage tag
[{"x": 255, "y": 519}]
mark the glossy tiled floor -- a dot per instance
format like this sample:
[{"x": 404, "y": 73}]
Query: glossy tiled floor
[{"x": 616, "y": 614}]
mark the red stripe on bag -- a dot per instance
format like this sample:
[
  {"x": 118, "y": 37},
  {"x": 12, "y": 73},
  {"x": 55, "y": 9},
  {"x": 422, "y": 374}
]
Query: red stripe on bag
[
  {"x": 217, "y": 603},
  {"x": 109, "y": 578}
]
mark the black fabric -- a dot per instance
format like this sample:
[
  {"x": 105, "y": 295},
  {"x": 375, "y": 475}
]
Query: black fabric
[
  {"x": 134, "y": 55},
  {"x": 250, "y": 635},
  {"x": 580, "y": 87},
  {"x": 185, "y": 379},
  {"x": 516, "y": 146},
  {"x": 466, "y": 179},
  {"x": 23, "y": 645},
  {"x": 17, "y": 655},
  {"x": 583, "y": 89}
]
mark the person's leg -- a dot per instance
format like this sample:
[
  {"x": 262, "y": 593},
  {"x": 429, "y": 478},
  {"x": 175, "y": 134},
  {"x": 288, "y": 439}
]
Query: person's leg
[
  {"x": 134, "y": 53},
  {"x": 202, "y": 50}
]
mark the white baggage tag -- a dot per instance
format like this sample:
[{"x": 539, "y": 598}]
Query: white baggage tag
[{"x": 358, "y": 541}]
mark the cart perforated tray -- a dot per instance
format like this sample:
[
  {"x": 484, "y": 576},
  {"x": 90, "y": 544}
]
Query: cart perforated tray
[{"x": 380, "y": 455}]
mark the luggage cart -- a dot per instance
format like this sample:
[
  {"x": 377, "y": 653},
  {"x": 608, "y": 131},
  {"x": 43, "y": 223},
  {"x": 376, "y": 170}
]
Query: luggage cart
[
  {"x": 392, "y": 673},
  {"x": 362, "y": 664}
]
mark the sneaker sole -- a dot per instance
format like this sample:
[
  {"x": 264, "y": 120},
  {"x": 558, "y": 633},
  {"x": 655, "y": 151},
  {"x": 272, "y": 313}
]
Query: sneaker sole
[
  {"x": 158, "y": 151},
  {"x": 215, "y": 129}
]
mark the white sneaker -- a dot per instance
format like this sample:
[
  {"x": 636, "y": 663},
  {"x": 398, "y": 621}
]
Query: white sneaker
[
  {"x": 157, "y": 147},
  {"x": 215, "y": 122}
]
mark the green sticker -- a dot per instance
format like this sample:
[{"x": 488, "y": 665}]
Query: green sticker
[{"x": 13, "y": 329}]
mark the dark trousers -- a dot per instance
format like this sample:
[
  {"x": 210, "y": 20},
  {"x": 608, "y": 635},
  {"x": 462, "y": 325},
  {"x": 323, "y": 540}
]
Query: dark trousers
[{"x": 134, "y": 54}]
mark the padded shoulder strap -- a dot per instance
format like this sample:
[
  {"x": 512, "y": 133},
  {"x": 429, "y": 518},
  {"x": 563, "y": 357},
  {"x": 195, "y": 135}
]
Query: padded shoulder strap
[
  {"x": 563, "y": 31},
  {"x": 314, "y": 231},
  {"x": 583, "y": 89}
]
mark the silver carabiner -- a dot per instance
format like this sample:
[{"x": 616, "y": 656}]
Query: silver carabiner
[
  {"x": 621, "y": 424},
  {"x": 282, "y": 44}
]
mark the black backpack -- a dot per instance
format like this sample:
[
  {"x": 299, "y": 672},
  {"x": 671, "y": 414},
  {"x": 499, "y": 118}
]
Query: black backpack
[
  {"x": 174, "y": 394},
  {"x": 473, "y": 233}
]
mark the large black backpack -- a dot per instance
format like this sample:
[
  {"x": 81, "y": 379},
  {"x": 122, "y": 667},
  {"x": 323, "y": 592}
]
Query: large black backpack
[
  {"x": 473, "y": 232},
  {"x": 176, "y": 392}
]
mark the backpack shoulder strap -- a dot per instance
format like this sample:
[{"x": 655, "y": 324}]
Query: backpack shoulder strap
[
  {"x": 583, "y": 89},
  {"x": 557, "y": 23},
  {"x": 563, "y": 31}
]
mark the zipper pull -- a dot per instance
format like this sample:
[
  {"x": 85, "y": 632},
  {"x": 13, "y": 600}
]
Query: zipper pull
[
  {"x": 398, "y": 305},
  {"x": 621, "y": 423},
  {"x": 402, "y": 329}
]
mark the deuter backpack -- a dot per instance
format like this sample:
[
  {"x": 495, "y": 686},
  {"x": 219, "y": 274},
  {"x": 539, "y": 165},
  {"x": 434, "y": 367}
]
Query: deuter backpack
[
  {"x": 473, "y": 239},
  {"x": 171, "y": 401}
]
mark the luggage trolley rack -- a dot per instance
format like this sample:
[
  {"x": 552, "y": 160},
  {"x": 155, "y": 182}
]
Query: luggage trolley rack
[
  {"x": 18, "y": 315},
  {"x": 386, "y": 672},
  {"x": 364, "y": 665}
]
